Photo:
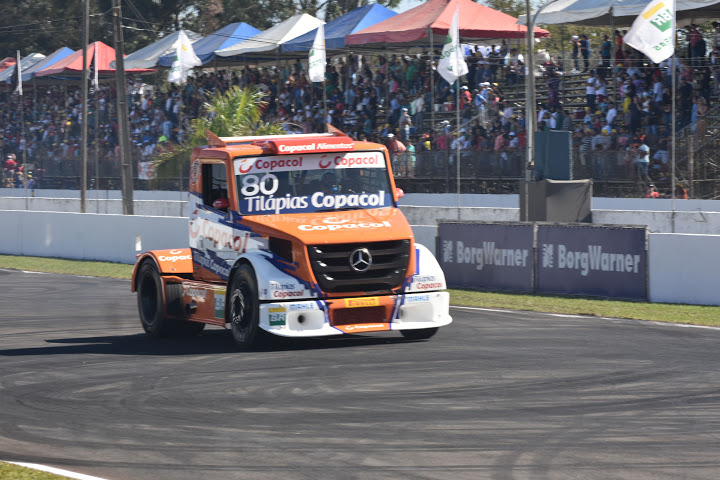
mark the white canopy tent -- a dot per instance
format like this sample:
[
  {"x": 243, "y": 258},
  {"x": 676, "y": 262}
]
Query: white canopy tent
[
  {"x": 623, "y": 12},
  {"x": 270, "y": 40},
  {"x": 147, "y": 57},
  {"x": 25, "y": 63}
]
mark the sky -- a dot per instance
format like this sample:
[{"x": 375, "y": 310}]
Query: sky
[{"x": 407, "y": 5}]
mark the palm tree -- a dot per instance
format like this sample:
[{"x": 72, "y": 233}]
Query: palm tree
[{"x": 235, "y": 113}]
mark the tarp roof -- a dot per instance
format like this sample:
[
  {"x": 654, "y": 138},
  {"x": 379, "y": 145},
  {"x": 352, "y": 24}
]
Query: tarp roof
[
  {"x": 477, "y": 22},
  {"x": 271, "y": 39},
  {"x": 227, "y": 36},
  {"x": 7, "y": 62},
  {"x": 72, "y": 66},
  {"x": 147, "y": 57},
  {"x": 27, "y": 62},
  {"x": 597, "y": 12},
  {"x": 53, "y": 58},
  {"x": 336, "y": 30}
]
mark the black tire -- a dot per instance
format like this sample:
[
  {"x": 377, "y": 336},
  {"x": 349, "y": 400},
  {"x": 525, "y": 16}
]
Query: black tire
[
  {"x": 243, "y": 309},
  {"x": 152, "y": 310},
  {"x": 150, "y": 301},
  {"x": 419, "y": 333}
]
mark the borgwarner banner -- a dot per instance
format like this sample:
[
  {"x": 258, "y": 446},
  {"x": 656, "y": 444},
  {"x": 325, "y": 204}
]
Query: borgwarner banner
[
  {"x": 487, "y": 255},
  {"x": 597, "y": 261}
]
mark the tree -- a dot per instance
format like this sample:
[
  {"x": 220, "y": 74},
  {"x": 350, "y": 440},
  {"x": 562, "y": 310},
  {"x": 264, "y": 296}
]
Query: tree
[{"x": 234, "y": 113}]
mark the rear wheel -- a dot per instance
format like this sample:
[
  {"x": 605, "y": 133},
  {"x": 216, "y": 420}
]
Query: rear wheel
[
  {"x": 419, "y": 334},
  {"x": 150, "y": 301},
  {"x": 243, "y": 309},
  {"x": 152, "y": 309}
]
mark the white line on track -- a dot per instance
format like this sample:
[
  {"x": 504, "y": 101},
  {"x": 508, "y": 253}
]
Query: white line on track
[
  {"x": 562, "y": 315},
  {"x": 56, "y": 471}
]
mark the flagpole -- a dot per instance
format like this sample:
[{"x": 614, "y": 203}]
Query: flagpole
[
  {"x": 457, "y": 142},
  {"x": 674, "y": 135},
  {"x": 83, "y": 126}
]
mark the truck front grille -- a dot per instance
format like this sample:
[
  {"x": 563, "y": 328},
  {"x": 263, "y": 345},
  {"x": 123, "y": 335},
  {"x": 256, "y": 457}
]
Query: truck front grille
[{"x": 333, "y": 266}]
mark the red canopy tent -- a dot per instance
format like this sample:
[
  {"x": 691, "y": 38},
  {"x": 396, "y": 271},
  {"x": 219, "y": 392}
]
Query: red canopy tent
[
  {"x": 72, "y": 66},
  {"x": 477, "y": 22},
  {"x": 6, "y": 63}
]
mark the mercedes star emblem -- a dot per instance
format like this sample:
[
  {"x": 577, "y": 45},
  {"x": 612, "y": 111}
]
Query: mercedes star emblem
[{"x": 360, "y": 259}]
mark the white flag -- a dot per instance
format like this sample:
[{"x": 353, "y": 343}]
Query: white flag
[
  {"x": 185, "y": 60},
  {"x": 317, "y": 59},
  {"x": 18, "y": 76},
  {"x": 653, "y": 31},
  {"x": 452, "y": 61}
]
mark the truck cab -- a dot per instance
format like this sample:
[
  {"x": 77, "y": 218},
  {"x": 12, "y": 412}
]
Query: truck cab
[{"x": 296, "y": 236}]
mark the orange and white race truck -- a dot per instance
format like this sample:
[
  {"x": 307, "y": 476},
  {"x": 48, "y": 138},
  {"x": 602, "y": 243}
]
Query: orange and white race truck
[{"x": 297, "y": 236}]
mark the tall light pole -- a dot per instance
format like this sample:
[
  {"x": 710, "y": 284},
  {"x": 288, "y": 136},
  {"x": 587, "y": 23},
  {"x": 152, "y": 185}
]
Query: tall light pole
[{"x": 122, "y": 112}]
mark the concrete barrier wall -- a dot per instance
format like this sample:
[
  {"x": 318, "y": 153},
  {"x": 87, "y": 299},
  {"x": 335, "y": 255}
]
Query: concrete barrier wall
[
  {"x": 157, "y": 208},
  {"x": 684, "y": 268},
  {"x": 113, "y": 238}
]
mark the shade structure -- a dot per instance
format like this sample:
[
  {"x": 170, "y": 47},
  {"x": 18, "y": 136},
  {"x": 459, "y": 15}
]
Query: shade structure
[
  {"x": 415, "y": 27},
  {"x": 26, "y": 62},
  {"x": 52, "y": 59},
  {"x": 147, "y": 57},
  {"x": 601, "y": 12},
  {"x": 336, "y": 30},
  {"x": 227, "y": 36},
  {"x": 271, "y": 39},
  {"x": 72, "y": 66},
  {"x": 7, "y": 62}
]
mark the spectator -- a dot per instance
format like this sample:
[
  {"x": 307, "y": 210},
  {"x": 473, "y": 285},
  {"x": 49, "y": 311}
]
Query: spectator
[
  {"x": 575, "y": 54},
  {"x": 585, "y": 52}
]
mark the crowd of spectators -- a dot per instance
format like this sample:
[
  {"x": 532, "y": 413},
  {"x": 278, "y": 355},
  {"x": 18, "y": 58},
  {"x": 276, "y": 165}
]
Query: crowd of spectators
[{"x": 387, "y": 99}]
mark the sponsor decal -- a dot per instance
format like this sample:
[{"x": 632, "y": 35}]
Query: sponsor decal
[
  {"x": 276, "y": 317},
  {"x": 194, "y": 292},
  {"x": 364, "y": 326},
  {"x": 294, "y": 307},
  {"x": 174, "y": 258},
  {"x": 487, "y": 254},
  {"x": 220, "y": 270},
  {"x": 318, "y": 146},
  {"x": 195, "y": 171},
  {"x": 220, "y": 236},
  {"x": 417, "y": 298},
  {"x": 175, "y": 252},
  {"x": 286, "y": 290},
  {"x": 364, "y": 159},
  {"x": 429, "y": 286},
  {"x": 345, "y": 226},
  {"x": 288, "y": 203},
  {"x": 594, "y": 259},
  {"x": 362, "y": 302},
  {"x": 219, "y": 297}
]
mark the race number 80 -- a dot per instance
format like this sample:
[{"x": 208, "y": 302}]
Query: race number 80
[{"x": 252, "y": 185}]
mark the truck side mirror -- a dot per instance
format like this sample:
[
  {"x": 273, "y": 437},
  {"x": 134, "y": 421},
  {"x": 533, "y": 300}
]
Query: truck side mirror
[{"x": 399, "y": 193}]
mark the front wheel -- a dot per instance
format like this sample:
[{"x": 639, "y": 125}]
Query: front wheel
[
  {"x": 419, "y": 334},
  {"x": 243, "y": 309}
]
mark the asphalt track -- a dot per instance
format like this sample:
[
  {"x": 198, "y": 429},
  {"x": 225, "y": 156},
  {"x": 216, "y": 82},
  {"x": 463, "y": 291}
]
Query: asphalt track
[{"x": 495, "y": 395}]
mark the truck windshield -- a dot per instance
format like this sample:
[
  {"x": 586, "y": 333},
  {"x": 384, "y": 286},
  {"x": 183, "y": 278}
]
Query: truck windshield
[{"x": 312, "y": 183}]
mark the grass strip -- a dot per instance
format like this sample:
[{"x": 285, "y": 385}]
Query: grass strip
[
  {"x": 16, "y": 472},
  {"x": 661, "y": 312}
]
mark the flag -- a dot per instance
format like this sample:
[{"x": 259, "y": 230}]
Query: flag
[
  {"x": 317, "y": 58},
  {"x": 653, "y": 31},
  {"x": 452, "y": 62},
  {"x": 17, "y": 77},
  {"x": 185, "y": 59},
  {"x": 93, "y": 73}
]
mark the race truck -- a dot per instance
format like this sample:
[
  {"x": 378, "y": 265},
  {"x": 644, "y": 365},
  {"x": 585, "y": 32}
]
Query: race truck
[{"x": 297, "y": 236}]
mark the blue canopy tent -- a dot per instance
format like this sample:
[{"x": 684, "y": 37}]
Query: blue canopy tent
[
  {"x": 226, "y": 37},
  {"x": 29, "y": 73},
  {"x": 336, "y": 30}
]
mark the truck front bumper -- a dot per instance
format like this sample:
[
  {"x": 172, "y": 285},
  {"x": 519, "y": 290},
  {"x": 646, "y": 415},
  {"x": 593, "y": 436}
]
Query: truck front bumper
[{"x": 313, "y": 318}]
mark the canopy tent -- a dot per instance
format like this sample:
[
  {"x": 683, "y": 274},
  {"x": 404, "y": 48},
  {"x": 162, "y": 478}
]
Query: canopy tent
[
  {"x": 271, "y": 39},
  {"x": 411, "y": 28},
  {"x": 147, "y": 57},
  {"x": 601, "y": 12},
  {"x": 227, "y": 36},
  {"x": 27, "y": 62},
  {"x": 59, "y": 54},
  {"x": 7, "y": 62},
  {"x": 72, "y": 65},
  {"x": 336, "y": 30}
]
